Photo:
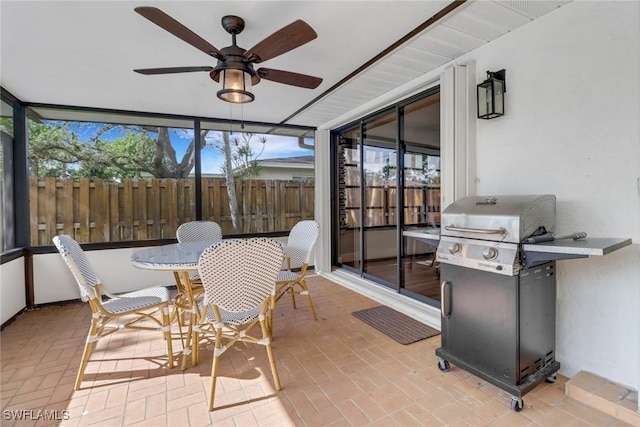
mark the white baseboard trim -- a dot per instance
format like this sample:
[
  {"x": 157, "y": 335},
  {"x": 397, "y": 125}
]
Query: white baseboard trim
[{"x": 417, "y": 310}]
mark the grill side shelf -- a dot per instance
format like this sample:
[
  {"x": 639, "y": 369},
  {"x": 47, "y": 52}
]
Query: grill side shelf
[
  {"x": 535, "y": 253},
  {"x": 430, "y": 236}
]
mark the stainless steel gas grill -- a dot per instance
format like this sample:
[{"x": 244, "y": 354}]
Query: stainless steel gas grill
[
  {"x": 484, "y": 233},
  {"x": 498, "y": 294}
]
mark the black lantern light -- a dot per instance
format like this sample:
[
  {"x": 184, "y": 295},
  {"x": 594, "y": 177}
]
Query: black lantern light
[
  {"x": 235, "y": 72},
  {"x": 491, "y": 95}
]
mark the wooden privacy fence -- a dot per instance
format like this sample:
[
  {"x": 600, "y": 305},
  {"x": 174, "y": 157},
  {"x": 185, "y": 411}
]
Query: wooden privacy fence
[{"x": 102, "y": 211}]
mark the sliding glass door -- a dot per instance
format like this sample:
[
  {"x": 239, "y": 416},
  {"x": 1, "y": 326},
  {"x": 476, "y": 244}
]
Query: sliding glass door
[{"x": 388, "y": 160}]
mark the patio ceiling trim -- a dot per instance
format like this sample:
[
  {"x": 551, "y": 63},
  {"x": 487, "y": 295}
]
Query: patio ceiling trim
[{"x": 420, "y": 28}]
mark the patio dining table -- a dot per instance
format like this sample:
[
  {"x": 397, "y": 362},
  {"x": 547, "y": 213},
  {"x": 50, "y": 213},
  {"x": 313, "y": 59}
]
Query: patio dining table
[{"x": 182, "y": 260}]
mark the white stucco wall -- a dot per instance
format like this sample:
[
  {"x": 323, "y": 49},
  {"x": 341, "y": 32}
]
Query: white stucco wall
[
  {"x": 12, "y": 291},
  {"x": 572, "y": 128},
  {"x": 53, "y": 280}
]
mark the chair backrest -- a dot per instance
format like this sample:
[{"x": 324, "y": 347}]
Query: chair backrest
[
  {"x": 196, "y": 231},
  {"x": 77, "y": 261},
  {"x": 238, "y": 275},
  {"x": 302, "y": 238}
]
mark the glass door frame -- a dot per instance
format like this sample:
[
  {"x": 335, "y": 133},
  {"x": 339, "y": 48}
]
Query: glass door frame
[{"x": 400, "y": 152}]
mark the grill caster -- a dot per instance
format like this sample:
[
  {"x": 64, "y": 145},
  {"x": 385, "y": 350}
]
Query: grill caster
[
  {"x": 443, "y": 365},
  {"x": 551, "y": 379},
  {"x": 517, "y": 404}
]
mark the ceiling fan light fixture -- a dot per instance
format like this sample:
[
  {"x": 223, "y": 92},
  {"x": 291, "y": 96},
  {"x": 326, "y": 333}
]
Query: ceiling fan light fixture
[
  {"x": 235, "y": 64},
  {"x": 236, "y": 86}
]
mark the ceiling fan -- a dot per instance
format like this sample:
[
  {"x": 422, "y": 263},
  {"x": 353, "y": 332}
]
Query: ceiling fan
[{"x": 235, "y": 64}]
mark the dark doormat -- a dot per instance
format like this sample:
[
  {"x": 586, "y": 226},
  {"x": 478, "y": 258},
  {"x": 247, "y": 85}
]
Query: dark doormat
[{"x": 396, "y": 325}]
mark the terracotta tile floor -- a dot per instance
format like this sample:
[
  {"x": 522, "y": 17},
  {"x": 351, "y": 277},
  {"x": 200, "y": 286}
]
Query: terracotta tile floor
[{"x": 336, "y": 371}]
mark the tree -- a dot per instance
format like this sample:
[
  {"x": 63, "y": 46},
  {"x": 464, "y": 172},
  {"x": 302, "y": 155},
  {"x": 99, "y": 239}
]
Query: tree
[
  {"x": 247, "y": 167},
  {"x": 50, "y": 149},
  {"x": 231, "y": 184},
  {"x": 108, "y": 151},
  {"x": 240, "y": 159}
]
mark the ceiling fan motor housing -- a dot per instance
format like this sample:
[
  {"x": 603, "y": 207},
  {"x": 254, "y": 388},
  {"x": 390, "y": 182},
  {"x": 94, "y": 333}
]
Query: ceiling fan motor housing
[
  {"x": 234, "y": 59},
  {"x": 233, "y": 24}
]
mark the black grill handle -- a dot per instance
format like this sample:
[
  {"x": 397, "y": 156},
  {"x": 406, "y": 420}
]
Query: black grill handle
[{"x": 445, "y": 303}]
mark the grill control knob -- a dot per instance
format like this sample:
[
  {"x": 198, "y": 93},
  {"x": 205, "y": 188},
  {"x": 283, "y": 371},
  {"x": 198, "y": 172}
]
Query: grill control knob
[
  {"x": 455, "y": 248},
  {"x": 490, "y": 253}
]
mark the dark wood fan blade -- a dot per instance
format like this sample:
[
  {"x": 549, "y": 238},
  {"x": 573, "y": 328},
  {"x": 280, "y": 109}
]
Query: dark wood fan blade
[
  {"x": 289, "y": 78},
  {"x": 285, "y": 39},
  {"x": 171, "y": 70},
  {"x": 166, "y": 22}
]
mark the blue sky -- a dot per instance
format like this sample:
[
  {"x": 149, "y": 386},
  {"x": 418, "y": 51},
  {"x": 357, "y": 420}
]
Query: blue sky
[{"x": 212, "y": 158}]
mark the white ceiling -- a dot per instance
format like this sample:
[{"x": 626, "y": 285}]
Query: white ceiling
[{"x": 83, "y": 53}]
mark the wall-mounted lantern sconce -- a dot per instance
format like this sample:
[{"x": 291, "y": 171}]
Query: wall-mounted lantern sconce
[{"x": 491, "y": 95}]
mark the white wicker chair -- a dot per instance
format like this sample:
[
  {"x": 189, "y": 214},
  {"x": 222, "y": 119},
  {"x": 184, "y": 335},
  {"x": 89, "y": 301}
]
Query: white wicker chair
[
  {"x": 302, "y": 239},
  {"x": 196, "y": 231},
  {"x": 133, "y": 307},
  {"x": 239, "y": 278}
]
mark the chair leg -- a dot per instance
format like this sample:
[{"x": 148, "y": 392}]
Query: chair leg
[
  {"x": 274, "y": 369},
  {"x": 195, "y": 348},
  {"x": 88, "y": 346},
  {"x": 175, "y": 317},
  {"x": 214, "y": 367},
  {"x": 291, "y": 290},
  {"x": 266, "y": 333},
  {"x": 180, "y": 319},
  {"x": 187, "y": 349},
  {"x": 166, "y": 325},
  {"x": 269, "y": 319},
  {"x": 212, "y": 389},
  {"x": 305, "y": 291}
]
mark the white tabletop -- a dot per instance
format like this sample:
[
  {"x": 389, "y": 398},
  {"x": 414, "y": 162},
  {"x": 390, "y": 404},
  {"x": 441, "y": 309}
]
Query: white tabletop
[{"x": 174, "y": 257}]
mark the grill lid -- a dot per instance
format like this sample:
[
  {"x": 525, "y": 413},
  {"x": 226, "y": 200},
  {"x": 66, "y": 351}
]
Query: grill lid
[{"x": 509, "y": 218}]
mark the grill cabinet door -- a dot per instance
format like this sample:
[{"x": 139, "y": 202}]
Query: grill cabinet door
[{"x": 482, "y": 328}]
